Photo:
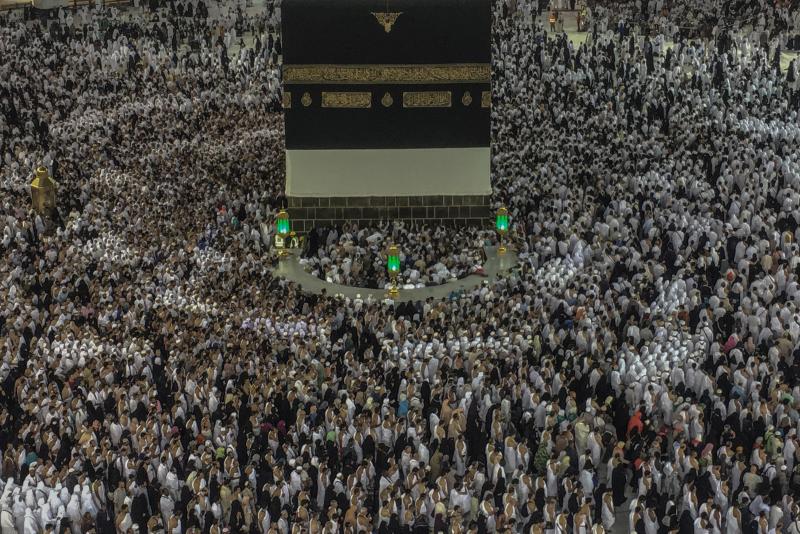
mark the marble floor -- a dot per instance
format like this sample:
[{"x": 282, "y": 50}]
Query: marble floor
[{"x": 495, "y": 265}]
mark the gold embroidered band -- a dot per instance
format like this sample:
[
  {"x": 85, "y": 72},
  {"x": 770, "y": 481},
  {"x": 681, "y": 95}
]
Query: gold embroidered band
[{"x": 374, "y": 74}]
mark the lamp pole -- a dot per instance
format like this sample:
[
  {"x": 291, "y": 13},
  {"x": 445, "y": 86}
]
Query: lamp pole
[
  {"x": 501, "y": 225},
  {"x": 283, "y": 228},
  {"x": 393, "y": 268},
  {"x": 43, "y": 192}
]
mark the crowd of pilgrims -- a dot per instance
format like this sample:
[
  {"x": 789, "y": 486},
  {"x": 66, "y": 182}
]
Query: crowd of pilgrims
[
  {"x": 638, "y": 371},
  {"x": 675, "y": 19},
  {"x": 429, "y": 256}
]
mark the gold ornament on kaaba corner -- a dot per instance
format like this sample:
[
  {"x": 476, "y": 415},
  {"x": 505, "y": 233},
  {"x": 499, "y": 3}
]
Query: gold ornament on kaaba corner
[
  {"x": 306, "y": 100},
  {"x": 486, "y": 99},
  {"x": 386, "y": 20},
  {"x": 287, "y": 100},
  {"x": 466, "y": 99},
  {"x": 387, "y": 100}
]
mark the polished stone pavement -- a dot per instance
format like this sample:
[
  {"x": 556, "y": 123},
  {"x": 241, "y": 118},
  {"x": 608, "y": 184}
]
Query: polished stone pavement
[{"x": 494, "y": 266}]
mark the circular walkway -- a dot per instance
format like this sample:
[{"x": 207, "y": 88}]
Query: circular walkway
[{"x": 495, "y": 265}]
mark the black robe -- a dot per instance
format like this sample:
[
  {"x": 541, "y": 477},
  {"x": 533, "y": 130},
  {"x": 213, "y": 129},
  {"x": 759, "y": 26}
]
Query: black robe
[{"x": 618, "y": 480}]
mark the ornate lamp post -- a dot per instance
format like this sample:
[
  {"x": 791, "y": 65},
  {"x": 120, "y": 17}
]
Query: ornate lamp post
[
  {"x": 43, "y": 192},
  {"x": 393, "y": 268},
  {"x": 501, "y": 225},
  {"x": 283, "y": 228}
]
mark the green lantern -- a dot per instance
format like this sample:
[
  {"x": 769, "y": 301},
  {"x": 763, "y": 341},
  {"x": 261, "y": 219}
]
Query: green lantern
[
  {"x": 283, "y": 230},
  {"x": 393, "y": 268},
  {"x": 282, "y": 223},
  {"x": 502, "y": 220},
  {"x": 501, "y": 225},
  {"x": 393, "y": 260}
]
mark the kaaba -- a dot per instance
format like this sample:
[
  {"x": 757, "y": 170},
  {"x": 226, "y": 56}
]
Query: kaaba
[{"x": 387, "y": 110}]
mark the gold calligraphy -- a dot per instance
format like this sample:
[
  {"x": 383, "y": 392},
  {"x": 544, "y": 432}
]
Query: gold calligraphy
[
  {"x": 427, "y": 99},
  {"x": 347, "y": 100},
  {"x": 375, "y": 74}
]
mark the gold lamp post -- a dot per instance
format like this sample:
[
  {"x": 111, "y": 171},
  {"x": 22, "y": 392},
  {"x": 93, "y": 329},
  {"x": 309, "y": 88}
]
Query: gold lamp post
[
  {"x": 43, "y": 192},
  {"x": 501, "y": 225},
  {"x": 393, "y": 268},
  {"x": 283, "y": 228}
]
